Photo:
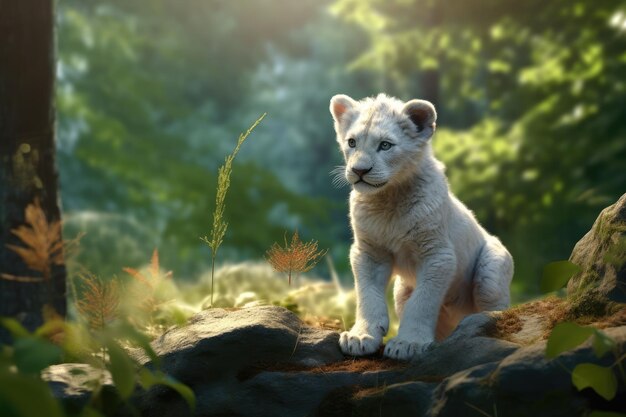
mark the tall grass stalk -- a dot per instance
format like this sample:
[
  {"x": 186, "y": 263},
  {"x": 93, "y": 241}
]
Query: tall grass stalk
[{"x": 223, "y": 183}]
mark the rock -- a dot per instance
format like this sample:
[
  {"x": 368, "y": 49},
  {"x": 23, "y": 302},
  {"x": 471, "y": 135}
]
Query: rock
[
  {"x": 237, "y": 360},
  {"x": 411, "y": 398},
  {"x": 73, "y": 383},
  {"x": 470, "y": 337},
  {"x": 263, "y": 361},
  {"x": 601, "y": 254},
  {"x": 526, "y": 383},
  {"x": 219, "y": 343}
]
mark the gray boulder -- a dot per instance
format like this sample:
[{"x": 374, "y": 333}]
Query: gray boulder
[
  {"x": 264, "y": 361},
  {"x": 601, "y": 254},
  {"x": 469, "y": 345},
  {"x": 219, "y": 343},
  {"x": 526, "y": 383}
]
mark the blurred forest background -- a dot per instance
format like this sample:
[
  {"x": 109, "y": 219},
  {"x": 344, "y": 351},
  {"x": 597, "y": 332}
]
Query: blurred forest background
[{"x": 152, "y": 94}]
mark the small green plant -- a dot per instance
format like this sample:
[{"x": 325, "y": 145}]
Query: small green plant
[
  {"x": 296, "y": 257},
  {"x": 602, "y": 379},
  {"x": 223, "y": 183},
  {"x": 556, "y": 275},
  {"x": 568, "y": 335},
  {"x": 25, "y": 392}
]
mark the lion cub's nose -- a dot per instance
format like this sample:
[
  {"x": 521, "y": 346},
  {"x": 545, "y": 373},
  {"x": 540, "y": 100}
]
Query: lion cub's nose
[{"x": 360, "y": 171}]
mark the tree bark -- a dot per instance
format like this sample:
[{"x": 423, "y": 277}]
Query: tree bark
[{"x": 27, "y": 151}]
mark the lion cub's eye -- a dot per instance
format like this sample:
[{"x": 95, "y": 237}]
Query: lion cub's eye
[
  {"x": 351, "y": 143},
  {"x": 384, "y": 146}
]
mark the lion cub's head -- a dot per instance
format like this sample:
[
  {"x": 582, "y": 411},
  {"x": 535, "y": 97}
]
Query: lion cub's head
[{"x": 381, "y": 138}]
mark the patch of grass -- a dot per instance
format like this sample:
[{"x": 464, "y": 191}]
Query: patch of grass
[
  {"x": 509, "y": 322},
  {"x": 355, "y": 365},
  {"x": 552, "y": 311}
]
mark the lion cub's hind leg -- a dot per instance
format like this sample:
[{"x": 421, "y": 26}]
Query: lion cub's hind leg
[
  {"x": 492, "y": 278},
  {"x": 401, "y": 292}
]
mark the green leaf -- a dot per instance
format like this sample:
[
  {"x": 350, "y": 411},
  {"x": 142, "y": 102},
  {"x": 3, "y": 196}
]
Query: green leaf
[
  {"x": 602, "y": 343},
  {"x": 556, "y": 274},
  {"x": 598, "y": 413},
  {"x": 31, "y": 355},
  {"x": 27, "y": 396},
  {"x": 122, "y": 370},
  {"x": 14, "y": 327},
  {"x": 79, "y": 344},
  {"x": 600, "y": 378},
  {"x": 566, "y": 336},
  {"x": 49, "y": 328},
  {"x": 149, "y": 378}
]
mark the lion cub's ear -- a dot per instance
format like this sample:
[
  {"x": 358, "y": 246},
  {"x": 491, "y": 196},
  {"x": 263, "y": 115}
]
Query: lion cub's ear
[
  {"x": 423, "y": 115},
  {"x": 339, "y": 105}
]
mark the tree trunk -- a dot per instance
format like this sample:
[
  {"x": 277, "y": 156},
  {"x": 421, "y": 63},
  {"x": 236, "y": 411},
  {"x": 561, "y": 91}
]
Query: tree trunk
[{"x": 27, "y": 152}]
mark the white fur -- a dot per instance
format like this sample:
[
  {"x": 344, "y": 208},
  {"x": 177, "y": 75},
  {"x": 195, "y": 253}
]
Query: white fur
[{"x": 407, "y": 223}]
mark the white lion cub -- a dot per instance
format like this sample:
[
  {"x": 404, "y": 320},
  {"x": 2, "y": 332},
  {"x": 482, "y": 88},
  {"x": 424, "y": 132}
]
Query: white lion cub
[{"x": 407, "y": 223}]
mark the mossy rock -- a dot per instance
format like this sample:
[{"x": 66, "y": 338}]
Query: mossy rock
[{"x": 601, "y": 254}]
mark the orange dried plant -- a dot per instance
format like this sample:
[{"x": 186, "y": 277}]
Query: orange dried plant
[
  {"x": 43, "y": 244},
  {"x": 296, "y": 257},
  {"x": 99, "y": 304},
  {"x": 149, "y": 302}
]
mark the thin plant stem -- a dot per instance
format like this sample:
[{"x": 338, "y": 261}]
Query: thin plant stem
[
  {"x": 223, "y": 184},
  {"x": 212, "y": 276}
]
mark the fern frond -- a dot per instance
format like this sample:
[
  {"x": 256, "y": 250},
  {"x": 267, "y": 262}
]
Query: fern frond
[
  {"x": 43, "y": 244},
  {"x": 154, "y": 271},
  {"x": 145, "y": 298},
  {"x": 99, "y": 303},
  {"x": 138, "y": 276}
]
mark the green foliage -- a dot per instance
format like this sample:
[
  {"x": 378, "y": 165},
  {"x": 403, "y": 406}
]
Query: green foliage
[
  {"x": 552, "y": 84},
  {"x": 602, "y": 344},
  {"x": 111, "y": 242},
  {"x": 23, "y": 392},
  {"x": 600, "y": 378},
  {"x": 122, "y": 369},
  {"x": 248, "y": 284},
  {"x": 566, "y": 336},
  {"x": 557, "y": 274},
  {"x": 32, "y": 355},
  {"x": 30, "y": 352},
  {"x": 140, "y": 147},
  {"x": 26, "y": 396}
]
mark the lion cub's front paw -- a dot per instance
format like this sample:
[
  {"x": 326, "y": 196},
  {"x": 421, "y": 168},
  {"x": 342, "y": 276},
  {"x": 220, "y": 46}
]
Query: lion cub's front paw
[
  {"x": 404, "y": 350},
  {"x": 359, "y": 343}
]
